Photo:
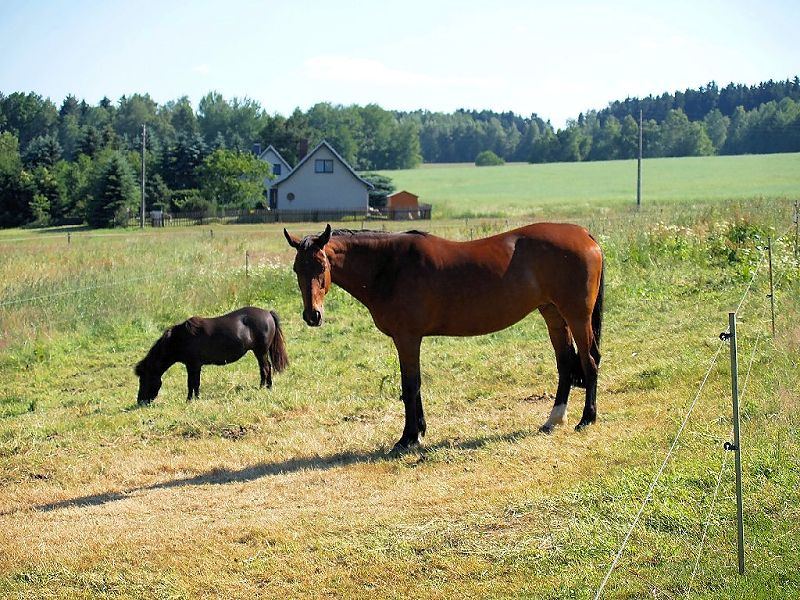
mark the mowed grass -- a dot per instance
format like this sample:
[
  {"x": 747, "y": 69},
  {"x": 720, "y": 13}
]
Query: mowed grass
[
  {"x": 292, "y": 493},
  {"x": 463, "y": 190}
]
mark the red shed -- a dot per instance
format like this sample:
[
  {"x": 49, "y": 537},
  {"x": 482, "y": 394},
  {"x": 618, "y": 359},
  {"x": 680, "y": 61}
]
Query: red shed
[{"x": 403, "y": 205}]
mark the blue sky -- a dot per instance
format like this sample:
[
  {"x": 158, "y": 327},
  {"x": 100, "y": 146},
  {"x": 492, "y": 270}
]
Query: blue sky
[{"x": 552, "y": 58}]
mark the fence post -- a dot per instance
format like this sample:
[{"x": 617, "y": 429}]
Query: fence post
[
  {"x": 247, "y": 263},
  {"x": 796, "y": 225},
  {"x": 69, "y": 238},
  {"x": 211, "y": 231},
  {"x": 736, "y": 446},
  {"x": 771, "y": 288}
]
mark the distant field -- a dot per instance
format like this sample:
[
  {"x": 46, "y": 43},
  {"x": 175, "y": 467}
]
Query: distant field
[{"x": 529, "y": 190}]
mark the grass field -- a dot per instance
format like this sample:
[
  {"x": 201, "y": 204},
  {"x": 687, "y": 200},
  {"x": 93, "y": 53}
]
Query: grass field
[
  {"x": 292, "y": 493},
  {"x": 575, "y": 188}
]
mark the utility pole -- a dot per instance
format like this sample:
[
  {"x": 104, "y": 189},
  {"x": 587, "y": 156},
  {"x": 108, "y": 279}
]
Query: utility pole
[
  {"x": 144, "y": 143},
  {"x": 639, "y": 166}
]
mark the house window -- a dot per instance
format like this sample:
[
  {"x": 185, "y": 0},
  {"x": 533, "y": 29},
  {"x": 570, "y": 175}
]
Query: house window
[
  {"x": 290, "y": 196},
  {"x": 323, "y": 165},
  {"x": 276, "y": 169}
]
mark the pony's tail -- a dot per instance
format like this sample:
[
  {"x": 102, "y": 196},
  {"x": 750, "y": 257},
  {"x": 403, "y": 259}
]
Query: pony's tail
[
  {"x": 277, "y": 348},
  {"x": 597, "y": 315}
]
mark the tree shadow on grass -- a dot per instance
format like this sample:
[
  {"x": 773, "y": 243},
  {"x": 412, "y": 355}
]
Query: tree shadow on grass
[{"x": 292, "y": 465}]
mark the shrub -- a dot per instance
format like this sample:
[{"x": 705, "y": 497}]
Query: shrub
[{"x": 487, "y": 158}]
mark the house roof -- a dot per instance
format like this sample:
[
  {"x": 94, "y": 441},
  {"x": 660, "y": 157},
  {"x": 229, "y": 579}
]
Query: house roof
[
  {"x": 278, "y": 154},
  {"x": 335, "y": 153}
]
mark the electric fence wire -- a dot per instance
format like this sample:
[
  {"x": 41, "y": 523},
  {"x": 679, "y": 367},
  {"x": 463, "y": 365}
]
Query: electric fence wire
[
  {"x": 117, "y": 282},
  {"x": 685, "y": 420},
  {"x": 723, "y": 463}
]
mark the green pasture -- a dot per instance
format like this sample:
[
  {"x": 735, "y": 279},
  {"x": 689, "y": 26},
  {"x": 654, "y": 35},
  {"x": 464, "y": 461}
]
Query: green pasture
[
  {"x": 291, "y": 493},
  {"x": 519, "y": 189}
]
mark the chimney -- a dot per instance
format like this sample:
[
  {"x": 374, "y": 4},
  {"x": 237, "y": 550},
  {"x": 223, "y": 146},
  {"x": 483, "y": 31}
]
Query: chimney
[
  {"x": 257, "y": 148},
  {"x": 302, "y": 149}
]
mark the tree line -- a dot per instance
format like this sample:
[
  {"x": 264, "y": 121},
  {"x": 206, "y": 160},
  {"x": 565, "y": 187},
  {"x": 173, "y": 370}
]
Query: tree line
[
  {"x": 79, "y": 161},
  {"x": 736, "y": 119}
]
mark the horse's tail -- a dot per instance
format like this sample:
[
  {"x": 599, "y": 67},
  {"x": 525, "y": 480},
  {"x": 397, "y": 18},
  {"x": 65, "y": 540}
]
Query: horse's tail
[
  {"x": 277, "y": 348},
  {"x": 597, "y": 315}
]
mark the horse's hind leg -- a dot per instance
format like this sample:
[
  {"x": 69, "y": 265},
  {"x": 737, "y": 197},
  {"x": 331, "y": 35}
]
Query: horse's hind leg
[
  {"x": 590, "y": 357},
  {"x": 566, "y": 358},
  {"x": 264, "y": 366}
]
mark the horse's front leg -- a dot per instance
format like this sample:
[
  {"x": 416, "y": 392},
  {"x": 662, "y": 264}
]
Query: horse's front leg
[
  {"x": 408, "y": 353},
  {"x": 193, "y": 381}
]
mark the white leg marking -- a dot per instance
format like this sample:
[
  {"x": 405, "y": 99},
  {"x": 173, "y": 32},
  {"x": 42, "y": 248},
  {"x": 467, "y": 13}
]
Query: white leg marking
[{"x": 558, "y": 416}]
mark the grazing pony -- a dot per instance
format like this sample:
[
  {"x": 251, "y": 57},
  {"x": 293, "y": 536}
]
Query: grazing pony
[
  {"x": 416, "y": 284},
  {"x": 214, "y": 341}
]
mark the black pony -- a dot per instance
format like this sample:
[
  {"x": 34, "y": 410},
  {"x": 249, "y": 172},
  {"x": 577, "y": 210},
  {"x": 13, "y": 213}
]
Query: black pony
[{"x": 214, "y": 341}]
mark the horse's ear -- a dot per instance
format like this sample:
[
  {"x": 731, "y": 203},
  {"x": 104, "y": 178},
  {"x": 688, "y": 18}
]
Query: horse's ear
[
  {"x": 324, "y": 237},
  {"x": 293, "y": 241}
]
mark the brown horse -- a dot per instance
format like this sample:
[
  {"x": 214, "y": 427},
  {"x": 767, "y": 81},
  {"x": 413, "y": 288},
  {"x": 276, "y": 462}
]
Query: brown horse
[
  {"x": 415, "y": 285},
  {"x": 214, "y": 341}
]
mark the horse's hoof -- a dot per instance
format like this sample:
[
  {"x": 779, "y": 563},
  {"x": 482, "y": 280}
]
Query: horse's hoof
[
  {"x": 583, "y": 425},
  {"x": 546, "y": 429},
  {"x": 403, "y": 446}
]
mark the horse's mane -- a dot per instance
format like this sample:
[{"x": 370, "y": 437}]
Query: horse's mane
[
  {"x": 309, "y": 240},
  {"x": 193, "y": 325},
  {"x": 374, "y": 232}
]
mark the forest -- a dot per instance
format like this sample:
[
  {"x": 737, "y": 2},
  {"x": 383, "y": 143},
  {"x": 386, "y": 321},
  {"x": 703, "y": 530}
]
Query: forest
[{"x": 81, "y": 162}]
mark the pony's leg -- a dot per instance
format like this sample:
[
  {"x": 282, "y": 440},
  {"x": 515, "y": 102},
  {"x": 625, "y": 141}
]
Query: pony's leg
[
  {"x": 264, "y": 367},
  {"x": 193, "y": 380},
  {"x": 589, "y": 356},
  {"x": 423, "y": 427},
  {"x": 408, "y": 353},
  {"x": 561, "y": 339}
]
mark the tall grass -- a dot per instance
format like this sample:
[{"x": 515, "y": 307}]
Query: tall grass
[{"x": 291, "y": 493}]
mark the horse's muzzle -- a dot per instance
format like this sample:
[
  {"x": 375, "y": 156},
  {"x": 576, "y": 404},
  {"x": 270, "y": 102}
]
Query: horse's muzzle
[{"x": 313, "y": 318}]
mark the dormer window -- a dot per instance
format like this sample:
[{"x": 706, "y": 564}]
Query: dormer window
[
  {"x": 276, "y": 169},
  {"x": 323, "y": 165}
]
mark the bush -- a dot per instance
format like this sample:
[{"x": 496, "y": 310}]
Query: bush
[
  {"x": 487, "y": 158},
  {"x": 191, "y": 200},
  {"x": 383, "y": 186}
]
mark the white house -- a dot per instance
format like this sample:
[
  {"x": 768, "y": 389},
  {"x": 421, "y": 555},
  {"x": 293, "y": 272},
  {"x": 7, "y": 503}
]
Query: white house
[
  {"x": 280, "y": 169},
  {"x": 322, "y": 180}
]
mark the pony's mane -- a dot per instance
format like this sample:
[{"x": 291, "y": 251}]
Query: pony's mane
[{"x": 140, "y": 366}]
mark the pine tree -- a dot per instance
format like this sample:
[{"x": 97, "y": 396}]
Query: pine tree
[{"x": 114, "y": 194}]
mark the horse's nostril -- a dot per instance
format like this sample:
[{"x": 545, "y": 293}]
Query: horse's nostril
[{"x": 312, "y": 317}]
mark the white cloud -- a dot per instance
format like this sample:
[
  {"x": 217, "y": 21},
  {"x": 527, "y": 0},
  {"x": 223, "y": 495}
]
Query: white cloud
[
  {"x": 344, "y": 69},
  {"x": 201, "y": 69}
]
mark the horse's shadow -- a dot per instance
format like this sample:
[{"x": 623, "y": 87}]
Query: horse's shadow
[{"x": 292, "y": 465}]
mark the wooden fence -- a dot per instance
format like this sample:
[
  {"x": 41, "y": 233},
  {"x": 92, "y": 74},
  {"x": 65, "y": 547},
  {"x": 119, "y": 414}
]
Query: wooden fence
[{"x": 264, "y": 215}]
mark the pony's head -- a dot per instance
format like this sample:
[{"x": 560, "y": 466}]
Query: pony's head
[
  {"x": 150, "y": 369},
  {"x": 313, "y": 273}
]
